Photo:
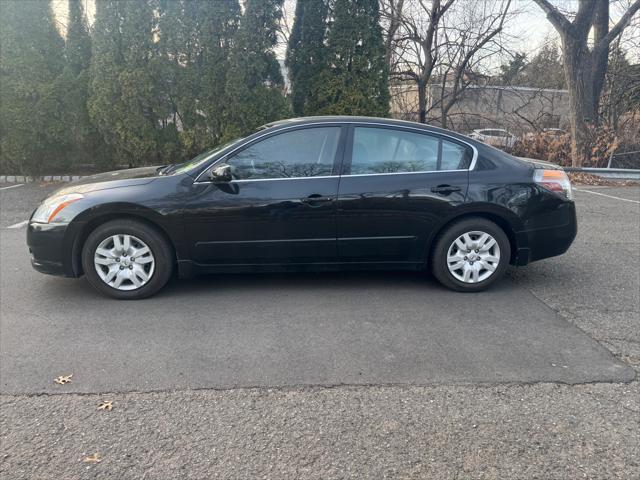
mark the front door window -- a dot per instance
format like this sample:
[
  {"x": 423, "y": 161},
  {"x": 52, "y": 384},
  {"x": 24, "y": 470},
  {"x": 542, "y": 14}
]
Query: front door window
[{"x": 308, "y": 152}]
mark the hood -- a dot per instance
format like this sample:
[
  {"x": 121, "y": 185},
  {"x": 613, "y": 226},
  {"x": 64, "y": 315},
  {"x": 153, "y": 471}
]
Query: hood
[
  {"x": 538, "y": 163},
  {"x": 103, "y": 181}
]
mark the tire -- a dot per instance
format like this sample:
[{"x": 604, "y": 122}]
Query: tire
[
  {"x": 103, "y": 253},
  {"x": 448, "y": 251}
]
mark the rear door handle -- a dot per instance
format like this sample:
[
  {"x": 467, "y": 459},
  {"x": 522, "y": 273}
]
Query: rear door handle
[
  {"x": 445, "y": 189},
  {"x": 316, "y": 200}
]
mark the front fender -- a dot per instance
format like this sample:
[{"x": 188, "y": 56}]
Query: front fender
[{"x": 86, "y": 221}]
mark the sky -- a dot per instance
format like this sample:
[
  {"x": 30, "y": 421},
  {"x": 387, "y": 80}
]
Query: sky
[{"x": 530, "y": 28}]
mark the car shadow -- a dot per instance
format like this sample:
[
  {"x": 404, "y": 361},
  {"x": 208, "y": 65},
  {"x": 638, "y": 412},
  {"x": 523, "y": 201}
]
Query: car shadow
[
  {"x": 320, "y": 281},
  {"x": 193, "y": 289}
]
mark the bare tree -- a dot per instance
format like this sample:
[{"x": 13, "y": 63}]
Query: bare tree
[
  {"x": 439, "y": 41},
  {"x": 471, "y": 37},
  {"x": 412, "y": 34},
  {"x": 390, "y": 16},
  {"x": 585, "y": 68},
  {"x": 620, "y": 102}
]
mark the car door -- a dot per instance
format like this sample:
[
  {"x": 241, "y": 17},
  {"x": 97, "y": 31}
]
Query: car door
[
  {"x": 397, "y": 185},
  {"x": 280, "y": 206}
]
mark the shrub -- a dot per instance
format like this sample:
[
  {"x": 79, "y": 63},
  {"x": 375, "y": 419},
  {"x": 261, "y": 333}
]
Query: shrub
[
  {"x": 544, "y": 146},
  {"x": 557, "y": 148}
]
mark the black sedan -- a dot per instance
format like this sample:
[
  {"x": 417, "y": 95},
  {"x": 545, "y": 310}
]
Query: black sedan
[{"x": 321, "y": 193}]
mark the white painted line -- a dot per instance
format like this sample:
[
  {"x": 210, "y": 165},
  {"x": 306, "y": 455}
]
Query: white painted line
[
  {"x": 19, "y": 224},
  {"x": 608, "y": 196},
  {"x": 12, "y": 186}
]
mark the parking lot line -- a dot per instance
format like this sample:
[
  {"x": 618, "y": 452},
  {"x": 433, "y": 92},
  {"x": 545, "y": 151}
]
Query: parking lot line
[
  {"x": 12, "y": 186},
  {"x": 19, "y": 224},
  {"x": 608, "y": 196}
]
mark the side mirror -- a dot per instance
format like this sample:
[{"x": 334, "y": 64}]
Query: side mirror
[{"x": 221, "y": 173}]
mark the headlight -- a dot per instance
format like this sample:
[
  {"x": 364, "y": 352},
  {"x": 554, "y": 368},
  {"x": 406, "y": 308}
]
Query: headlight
[
  {"x": 51, "y": 207},
  {"x": 555, "y": 180}
]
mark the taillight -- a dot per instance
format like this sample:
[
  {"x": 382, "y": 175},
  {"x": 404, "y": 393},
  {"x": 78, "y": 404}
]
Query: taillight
[{"x": 555, "y": 180}]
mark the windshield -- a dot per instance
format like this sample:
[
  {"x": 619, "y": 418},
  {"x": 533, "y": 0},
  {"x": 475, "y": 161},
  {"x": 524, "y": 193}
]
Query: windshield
[{"x": 200, "y": 159}]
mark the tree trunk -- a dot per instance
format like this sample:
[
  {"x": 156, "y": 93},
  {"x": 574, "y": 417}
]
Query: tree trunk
[
  {"x": 578, "y": 67},
  {"x": 422, "y": 101},
  {"x": 444, "y": 111},
  {"x": 600, "y": 52}
]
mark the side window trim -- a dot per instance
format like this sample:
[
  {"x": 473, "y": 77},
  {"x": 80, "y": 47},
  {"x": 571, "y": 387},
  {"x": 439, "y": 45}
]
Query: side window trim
[
  {"x": 348, "y": 154},
  {"x": 340, "y": 158},
  {"x": 347, "y": 146},
  {"x": 345, "y": 169},
  {"x": 337, "y": 160}
]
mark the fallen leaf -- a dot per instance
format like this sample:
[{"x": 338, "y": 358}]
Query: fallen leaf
[
  {"x": 62, "y": 379},
  {"x": 582, "y": 178},
  {"x": 106, "y": 405},
  {"x": 94, "y": 458}
]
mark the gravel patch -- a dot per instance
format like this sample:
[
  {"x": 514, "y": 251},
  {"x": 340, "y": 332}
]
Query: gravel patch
[{"x": 544, "y": 431}]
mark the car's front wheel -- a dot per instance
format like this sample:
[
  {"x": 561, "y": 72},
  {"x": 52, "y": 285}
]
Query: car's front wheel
[
  {"x": 470, "y": 255},
  {"x": 127, "y": 259}
]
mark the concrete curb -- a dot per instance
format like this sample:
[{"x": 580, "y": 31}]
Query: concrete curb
[{"x": 43, "y": 178}]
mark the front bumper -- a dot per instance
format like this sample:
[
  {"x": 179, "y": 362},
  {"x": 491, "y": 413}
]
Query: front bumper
[
  {"x": 51, "y": 247},
  {"x": 50, "y": 268}
]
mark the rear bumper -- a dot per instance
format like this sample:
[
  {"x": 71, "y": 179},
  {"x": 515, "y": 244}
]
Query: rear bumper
[
  {"x": 551, "y": 240},
  {"x": 51, "y": 249}
]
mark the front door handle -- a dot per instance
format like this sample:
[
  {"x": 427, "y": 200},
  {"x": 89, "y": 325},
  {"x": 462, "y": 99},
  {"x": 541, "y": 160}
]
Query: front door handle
[
  {"x": 445, "y": 189},
  {"x": 316, "y": 200}
]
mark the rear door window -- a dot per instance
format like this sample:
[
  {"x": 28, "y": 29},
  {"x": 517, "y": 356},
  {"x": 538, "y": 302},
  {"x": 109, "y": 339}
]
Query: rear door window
[{"x": 385, "y": 150}]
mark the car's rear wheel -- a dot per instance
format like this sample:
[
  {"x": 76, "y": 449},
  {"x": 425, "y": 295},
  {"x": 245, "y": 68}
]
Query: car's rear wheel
[
  {"x": 127, "y": 259},
  {"x": 470, "y": 255}
]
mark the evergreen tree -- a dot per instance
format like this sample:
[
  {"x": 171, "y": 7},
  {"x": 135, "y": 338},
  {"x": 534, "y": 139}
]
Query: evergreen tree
[
  {"x": 32, "y": 127},
  {"x": 195, "y": 41},
  {"x": 355, "y": 79},
  {"x": 124, "y": 100},
  {"x": 85, "y": 142},
  {"x": 511, "y": 73},
  {"x": 305, "y": 53},
  {"x": 545, "y": 69},
  {"x": 254, "y": 81},
  {"x": 78, "y": 42}
]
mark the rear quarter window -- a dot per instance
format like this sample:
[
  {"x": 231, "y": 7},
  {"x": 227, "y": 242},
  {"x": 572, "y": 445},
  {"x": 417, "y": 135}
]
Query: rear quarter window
[{"x": 455, "y": 156}]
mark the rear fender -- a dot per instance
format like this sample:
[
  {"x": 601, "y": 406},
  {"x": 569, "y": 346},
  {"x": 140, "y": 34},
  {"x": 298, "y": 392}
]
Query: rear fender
[{"x": 503, "y": 217}]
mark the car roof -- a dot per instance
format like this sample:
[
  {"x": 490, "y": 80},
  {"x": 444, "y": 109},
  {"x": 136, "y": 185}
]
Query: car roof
[
  {"x": 340, "y": 118},
  {"x": 363, "y": 119}
]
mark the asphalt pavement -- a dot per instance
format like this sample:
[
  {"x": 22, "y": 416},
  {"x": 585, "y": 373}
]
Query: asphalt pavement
[{"x": 383, "y": 375}]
